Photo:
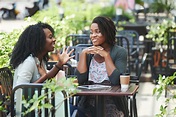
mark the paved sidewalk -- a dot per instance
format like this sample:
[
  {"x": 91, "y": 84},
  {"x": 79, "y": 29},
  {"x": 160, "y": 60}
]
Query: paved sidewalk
[{"x": 147, "y": 104}]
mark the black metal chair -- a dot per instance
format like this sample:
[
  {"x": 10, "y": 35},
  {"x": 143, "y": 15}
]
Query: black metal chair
[
  {"x": 6, "y": 81},
  {"x": 70, "y": 71},
  {"x": 134, "y": 47},
  {"x": 58, "y": 100},
  {"x": 68, "y": 68},
  {"x": 74, "y": 39},
  {"x": 136, "y": 79},
  {"x": 124, "y": 42},
  {"x": 78, "y": 49},
  {"x": 32, "y": 10},
  {"x": 8, "y": 13},
  {"x": 133, "y": 37},
  {"x": 50, "y": 64}
]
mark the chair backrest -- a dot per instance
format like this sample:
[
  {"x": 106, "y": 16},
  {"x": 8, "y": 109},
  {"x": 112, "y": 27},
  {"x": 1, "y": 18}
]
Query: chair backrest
[
  {"x": 6, "y": 80},
  {"x": 142, "y": 64},
  {"x": 74, "y": 39},
  {"x": 124, "y": 42},
  {"x": 68, "y": 68},
  {"x": 58, "y": 100},
  {"x": 133, "y": 38},
  {"x": 78, "y": 49},
  {"x": 50, "y": 64},
  {"x": 136, "y": 79},
  {"x": 134, "y": 47}
]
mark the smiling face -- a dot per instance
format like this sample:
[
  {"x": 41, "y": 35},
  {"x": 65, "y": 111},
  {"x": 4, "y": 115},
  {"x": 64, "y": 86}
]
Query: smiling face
[
  {"x": 50, "y": 40},
  {"x": 96, "y": 36}
]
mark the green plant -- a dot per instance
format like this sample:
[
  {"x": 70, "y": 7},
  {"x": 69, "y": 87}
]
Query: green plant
[
  {"x": 141, "y": 2},
  {"x": 52, "y": 85},
  {"x": 163, "y": 83},
  {"x": 108, "y": 11},
  {"x": 159, "y": 6},
  {"x": 2, "y": 107},
  {"x": 159, "y": 32},
  {"x": 7, "y": 43}
]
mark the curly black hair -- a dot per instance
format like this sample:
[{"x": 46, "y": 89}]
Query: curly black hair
[
  {"x": 31, "y": 41},
  {"x": 107, "y": 28}
]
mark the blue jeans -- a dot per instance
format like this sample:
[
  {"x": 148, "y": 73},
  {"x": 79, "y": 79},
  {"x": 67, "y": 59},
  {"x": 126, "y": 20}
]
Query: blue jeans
[
  {"x": 79, "y": 112},
  {"x": 72, "y": 109}
]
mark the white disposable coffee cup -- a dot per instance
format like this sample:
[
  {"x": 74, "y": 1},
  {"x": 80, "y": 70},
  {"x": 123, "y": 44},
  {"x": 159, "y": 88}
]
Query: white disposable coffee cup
[
  {"x": 124, "y": 88},
  {"x": 124, "y": 81}
]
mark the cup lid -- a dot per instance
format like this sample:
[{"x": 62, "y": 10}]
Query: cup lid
[{"x": 125, "y": 74}]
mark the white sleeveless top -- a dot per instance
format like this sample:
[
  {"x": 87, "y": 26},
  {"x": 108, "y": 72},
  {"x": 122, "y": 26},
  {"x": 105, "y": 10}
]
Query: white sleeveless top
[{"x": 97, "y": 71}]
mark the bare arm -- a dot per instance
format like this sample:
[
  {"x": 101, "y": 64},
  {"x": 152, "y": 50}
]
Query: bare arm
[
  {"x": 63, "y": 58},
  {"x": 82, "y": 65}
]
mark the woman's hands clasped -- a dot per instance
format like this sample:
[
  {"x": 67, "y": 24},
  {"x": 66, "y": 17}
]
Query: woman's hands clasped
[{"x": 96, "y": 50}]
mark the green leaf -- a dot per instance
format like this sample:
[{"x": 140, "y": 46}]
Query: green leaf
[
  {"x": 47, "y": 105},
  {"x": 34, "y": 106}
]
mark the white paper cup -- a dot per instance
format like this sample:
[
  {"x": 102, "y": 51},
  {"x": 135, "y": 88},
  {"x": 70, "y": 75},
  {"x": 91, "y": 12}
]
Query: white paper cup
[
  {"x": 124, "y": 81},
  {"x": 124, "y": 87}
]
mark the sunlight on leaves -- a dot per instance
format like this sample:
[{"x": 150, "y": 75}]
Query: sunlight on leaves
[
  {"x": 53, "y": 86},
  {"x": 161, "y": 87}
]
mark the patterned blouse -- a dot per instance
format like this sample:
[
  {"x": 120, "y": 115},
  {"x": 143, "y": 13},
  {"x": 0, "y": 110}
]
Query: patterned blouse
[{"x": 97, "y": 71}]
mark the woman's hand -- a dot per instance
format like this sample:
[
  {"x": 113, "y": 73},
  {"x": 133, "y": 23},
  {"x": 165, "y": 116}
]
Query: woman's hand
[
  {"x": 96, "y": 50},
  {"x": 64, "y": 57}
]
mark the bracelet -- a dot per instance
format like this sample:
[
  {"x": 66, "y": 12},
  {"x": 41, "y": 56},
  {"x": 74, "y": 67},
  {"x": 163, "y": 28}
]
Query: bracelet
[{"x": 59, "y": 68}]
